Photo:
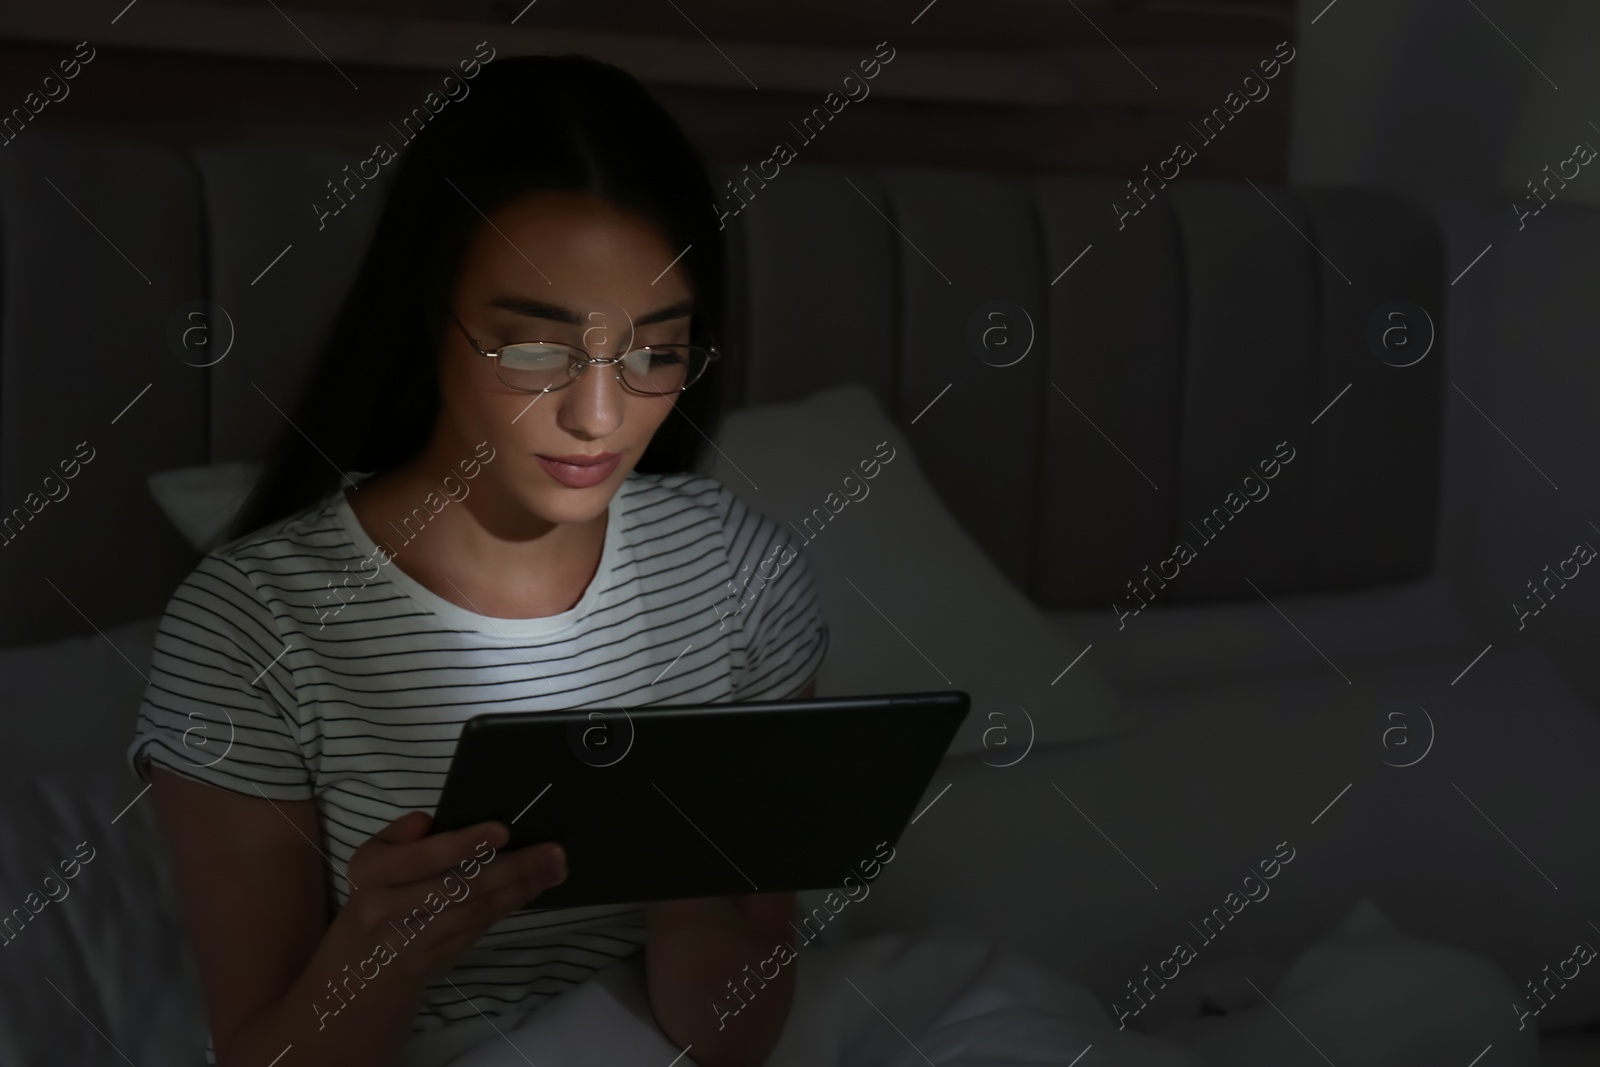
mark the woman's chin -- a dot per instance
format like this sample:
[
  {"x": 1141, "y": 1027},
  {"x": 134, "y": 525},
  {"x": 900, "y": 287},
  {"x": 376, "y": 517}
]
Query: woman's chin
[{"x": 555, "y": 502}]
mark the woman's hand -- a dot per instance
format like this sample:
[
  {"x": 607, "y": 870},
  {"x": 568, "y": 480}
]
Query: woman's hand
[
  {"x": 433, "y": 897},
  {"x": 276, "y": 972}
]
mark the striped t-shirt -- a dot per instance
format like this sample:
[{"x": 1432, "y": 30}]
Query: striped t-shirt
[{"x": 355, "y": 699}]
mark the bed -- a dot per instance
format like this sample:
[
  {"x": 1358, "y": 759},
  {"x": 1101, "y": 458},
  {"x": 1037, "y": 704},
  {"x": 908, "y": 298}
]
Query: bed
[{"x": 1120, "y": 773}]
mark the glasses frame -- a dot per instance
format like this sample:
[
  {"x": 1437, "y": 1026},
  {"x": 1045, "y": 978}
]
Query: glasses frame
[{"x": 576, "y": 367}]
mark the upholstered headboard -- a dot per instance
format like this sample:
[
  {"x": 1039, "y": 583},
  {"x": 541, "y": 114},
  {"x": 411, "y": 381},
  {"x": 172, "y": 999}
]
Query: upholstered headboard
[{"x": 1168, "y": 354}]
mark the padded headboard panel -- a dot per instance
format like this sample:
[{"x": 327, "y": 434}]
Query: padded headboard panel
[{"x": 1165, "y": 359}]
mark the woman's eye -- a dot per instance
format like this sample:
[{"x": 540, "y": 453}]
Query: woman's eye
[{"x": 533, "y": 356}]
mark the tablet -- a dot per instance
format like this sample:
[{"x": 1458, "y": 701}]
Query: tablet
[{"x": 666, "y": 802}]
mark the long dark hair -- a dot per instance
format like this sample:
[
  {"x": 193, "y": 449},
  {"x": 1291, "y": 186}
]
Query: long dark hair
[{"x": 529, "y": 123}]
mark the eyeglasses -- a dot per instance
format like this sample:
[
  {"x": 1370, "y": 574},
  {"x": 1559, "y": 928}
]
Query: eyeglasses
[{"x": 545, "y": 366}]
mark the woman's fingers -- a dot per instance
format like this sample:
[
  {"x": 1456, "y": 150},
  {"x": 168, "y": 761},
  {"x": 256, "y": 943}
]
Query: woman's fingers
[
  {"x": 443, "y": 890},
  {"x": 408, "y": 827},
  {"x": 483, "y": 910},
  {"x": 398, "y": 855},
  {"x": 527, "y": 872},
  {"x": 524, "y": 870},
  {"x": 540, "y": 862},
  {"x": 461, "y": 924}
]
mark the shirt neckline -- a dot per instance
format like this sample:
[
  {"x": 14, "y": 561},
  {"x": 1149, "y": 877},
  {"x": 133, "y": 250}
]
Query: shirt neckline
[{"x": 460, "y": 618}]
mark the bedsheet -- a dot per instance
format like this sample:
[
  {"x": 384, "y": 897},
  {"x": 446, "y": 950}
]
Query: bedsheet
[{"x": 1366, "y": 994}]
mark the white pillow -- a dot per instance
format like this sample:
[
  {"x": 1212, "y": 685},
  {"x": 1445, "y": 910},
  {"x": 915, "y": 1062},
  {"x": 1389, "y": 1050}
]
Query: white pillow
[
  {"x": 200, "y": 501},
  {"x": 912, "y": 602},
  {"x": 70, "y": 705},
  {"x": 110, "y": 938}
]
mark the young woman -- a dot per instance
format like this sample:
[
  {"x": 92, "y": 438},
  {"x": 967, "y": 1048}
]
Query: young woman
[{"x": 527, "y": 370}]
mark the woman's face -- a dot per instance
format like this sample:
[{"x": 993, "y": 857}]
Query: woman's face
[{"x": 569, "y": 268}]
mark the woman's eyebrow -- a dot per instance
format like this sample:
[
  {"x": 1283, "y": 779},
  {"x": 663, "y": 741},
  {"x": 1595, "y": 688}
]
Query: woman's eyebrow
[
  {"x": 682, "y": 309},
  {"x": 539, "y": 309}
]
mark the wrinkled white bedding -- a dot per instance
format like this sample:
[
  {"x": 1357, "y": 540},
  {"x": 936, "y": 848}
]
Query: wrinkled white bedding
[
  {"x": 1367, "y": 994},
  {"x": 888, "y": 1001}
]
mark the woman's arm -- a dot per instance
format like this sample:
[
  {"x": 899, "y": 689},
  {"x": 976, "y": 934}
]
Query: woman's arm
[
  {"x": 695, "y": 948},
  {"x": 277, "y": 972},
  {"x": 252, "y": 888}
]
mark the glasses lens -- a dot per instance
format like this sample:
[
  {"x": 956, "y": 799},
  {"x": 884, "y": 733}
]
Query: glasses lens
[
  {"x": 534, "y": 367},
  {"x": 663, "y": 368}
]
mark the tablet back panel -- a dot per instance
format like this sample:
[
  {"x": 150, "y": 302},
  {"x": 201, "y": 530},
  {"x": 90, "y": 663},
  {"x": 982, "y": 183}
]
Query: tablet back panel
[{"x": 666, "y": 802}]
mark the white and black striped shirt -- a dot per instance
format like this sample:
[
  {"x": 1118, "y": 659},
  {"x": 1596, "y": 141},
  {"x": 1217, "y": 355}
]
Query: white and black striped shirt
[{"x": 356, "y": 702}]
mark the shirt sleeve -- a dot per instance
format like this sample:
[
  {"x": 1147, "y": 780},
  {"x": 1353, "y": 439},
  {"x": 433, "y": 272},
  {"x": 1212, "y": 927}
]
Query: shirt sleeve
[
  {"x": 779, "y": 615},
  {"x": 220, "y": 706}
]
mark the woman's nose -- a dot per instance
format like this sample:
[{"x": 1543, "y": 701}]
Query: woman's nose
[{"x": 592, "y": 406}]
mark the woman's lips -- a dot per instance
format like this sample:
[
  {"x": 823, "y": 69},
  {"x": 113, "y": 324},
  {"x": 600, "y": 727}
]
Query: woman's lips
[{"x": 579, "y": 475}]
